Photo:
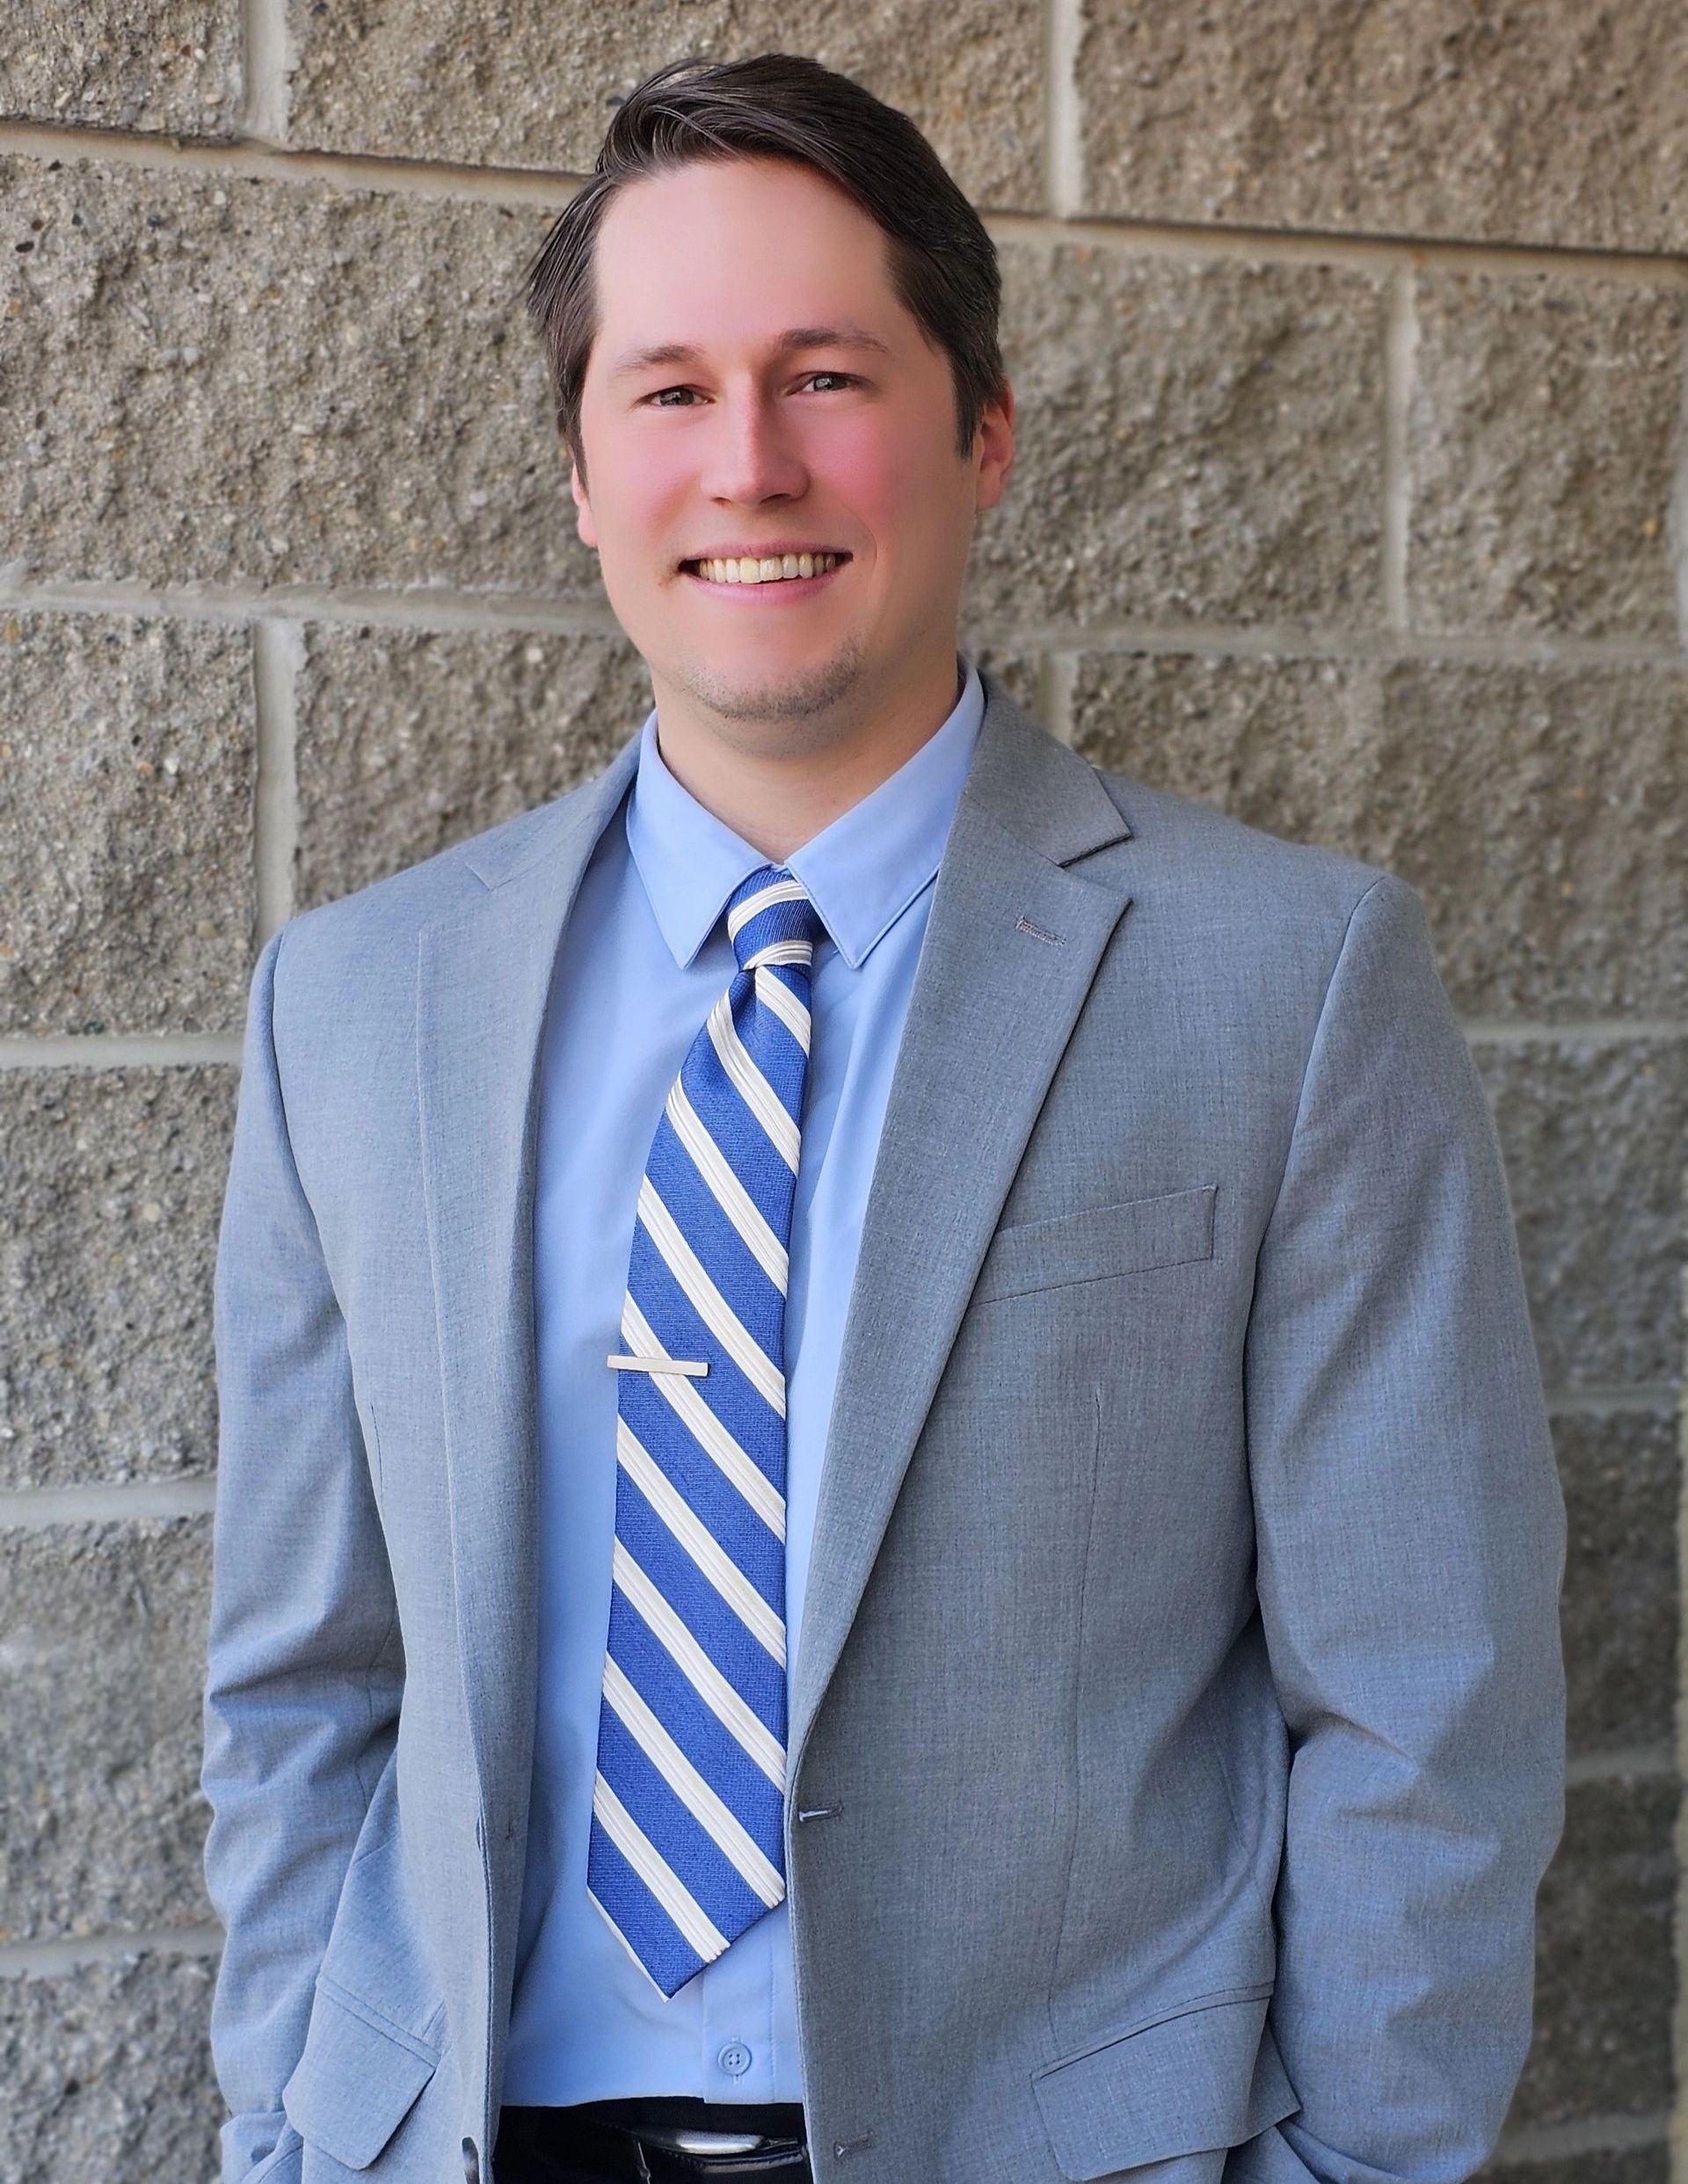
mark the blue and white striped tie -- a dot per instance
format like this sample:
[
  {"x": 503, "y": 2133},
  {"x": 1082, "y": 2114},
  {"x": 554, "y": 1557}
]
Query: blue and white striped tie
[{"x": 686, "y": 1849}]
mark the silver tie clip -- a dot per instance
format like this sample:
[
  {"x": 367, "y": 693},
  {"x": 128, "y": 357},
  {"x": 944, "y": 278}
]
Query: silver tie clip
[{"x": 694, "y": 1366}]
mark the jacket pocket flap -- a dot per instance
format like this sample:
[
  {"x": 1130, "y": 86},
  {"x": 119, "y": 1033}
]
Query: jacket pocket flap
[
  {"x": 1096, "y": 1239},
  {"x": 1208, "y": 2075},
  {"x": 356, "y": 2080}
]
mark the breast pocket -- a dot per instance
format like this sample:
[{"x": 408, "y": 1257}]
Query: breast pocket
[{"x": 1129, "y": 1237}]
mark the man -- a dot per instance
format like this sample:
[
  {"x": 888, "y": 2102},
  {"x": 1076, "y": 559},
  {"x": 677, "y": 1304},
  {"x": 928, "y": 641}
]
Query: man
[{"x": 885, "y": 1507}]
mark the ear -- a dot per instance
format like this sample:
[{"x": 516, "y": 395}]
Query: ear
[
  {"x": 583, "y": 522},
  {"x": 995, "y": 448}
]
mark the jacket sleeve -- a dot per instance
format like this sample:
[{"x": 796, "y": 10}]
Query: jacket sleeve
[
  {"x": 1410, "y": 1540},
  {"x": 304, "y": 1666}
]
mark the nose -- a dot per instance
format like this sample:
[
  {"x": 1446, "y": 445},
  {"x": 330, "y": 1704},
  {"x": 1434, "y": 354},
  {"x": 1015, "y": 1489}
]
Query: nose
[{"x": 752, "y": 454}]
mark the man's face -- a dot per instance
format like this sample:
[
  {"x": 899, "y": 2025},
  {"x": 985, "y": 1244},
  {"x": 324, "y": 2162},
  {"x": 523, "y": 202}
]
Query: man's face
[{"x": 753, "y": 446}]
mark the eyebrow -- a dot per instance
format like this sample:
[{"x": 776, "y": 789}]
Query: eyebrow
[{"x": 845, "y": 337}]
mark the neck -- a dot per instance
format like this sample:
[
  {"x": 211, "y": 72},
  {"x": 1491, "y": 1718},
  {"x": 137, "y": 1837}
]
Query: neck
[{"x": 778, "y": 782}]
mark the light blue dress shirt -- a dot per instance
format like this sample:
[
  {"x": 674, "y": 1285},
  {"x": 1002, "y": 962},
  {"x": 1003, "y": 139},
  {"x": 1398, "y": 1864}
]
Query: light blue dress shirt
[{"x": 644, "y": 957}]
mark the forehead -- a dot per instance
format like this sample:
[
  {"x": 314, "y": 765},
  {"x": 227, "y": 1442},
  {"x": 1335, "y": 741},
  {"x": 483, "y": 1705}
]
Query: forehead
[{"x": 734, "y": 251}]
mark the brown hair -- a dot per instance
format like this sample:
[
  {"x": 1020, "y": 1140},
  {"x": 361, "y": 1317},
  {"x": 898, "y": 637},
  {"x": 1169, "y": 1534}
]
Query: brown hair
[{"x": 941, "y": 262}]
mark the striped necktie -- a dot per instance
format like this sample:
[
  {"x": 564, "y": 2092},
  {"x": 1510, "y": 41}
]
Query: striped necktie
[{"x": 686, "y": 1847}]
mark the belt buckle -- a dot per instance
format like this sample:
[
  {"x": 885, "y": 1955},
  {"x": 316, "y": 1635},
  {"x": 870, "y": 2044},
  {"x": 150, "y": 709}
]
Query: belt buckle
[{"x": 682, "y": 2138}]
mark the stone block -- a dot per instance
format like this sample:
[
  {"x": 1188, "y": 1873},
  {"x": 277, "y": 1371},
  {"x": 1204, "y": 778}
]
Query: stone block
[
  {"x": 1541, "y": 810},
  {"x": 1561, "y": 124},
  {"x": 1194, "y": 440},
  {"x": 113, "y": 1181},
  {"x": 432, "y": 82},
  {"x": 126, "y": 774},
  {"x": 1592, "y": 1132},
  {"x": 1288, "y": 744},
  {"x": 167, "y": 65},
  {"x": 409, "y": 740},
  {"x": 103, "y": 1642},
  {"x": 1619, "y": 1612},
  {"x": 1020, "y": 672},
  {"x": 1604, "y": 1980},
  {"x": 1646, "y": 2164},
  {"x": 228, "y": 380},
  {"x": 1543, "y": 444},
  {"x": 108, "y": 2073}
]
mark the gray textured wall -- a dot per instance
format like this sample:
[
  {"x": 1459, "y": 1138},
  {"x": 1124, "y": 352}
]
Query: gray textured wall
[{"x": 1349, "y": 342}]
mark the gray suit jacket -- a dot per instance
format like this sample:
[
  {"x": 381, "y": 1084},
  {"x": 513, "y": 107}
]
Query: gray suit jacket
[{"x": 1177, "y": 1729}]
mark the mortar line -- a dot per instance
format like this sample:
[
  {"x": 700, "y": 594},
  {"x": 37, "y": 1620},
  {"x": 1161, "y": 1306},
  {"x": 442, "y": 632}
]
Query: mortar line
[
  {"x": 1055, "y": 689},
  {"x": 52, "y": 1957},
  {"x": 124, "y": 1501},
  {"x": 255, "y": 158},
  {"x": 1399, "y": 342},
  {"x": 551, "y": 188},
  {"x": 1647, "y": 1399},
  {"x": 1646, "y": 1763},
  {"x": 120, "y": 1049},
  {"x": 263, "y": 60},
  {"x": 1573, "y": 1031},
  {"x": 1063, "y": 122},
  {"x": 435, "y": 610},
  {"x": 1372, "y": 251},
  {"x": 1676, "y": 514},
  {"x": 1274, "y": 641},
  {"x": 1678, "y": 2131},
  {"x": 278, "y": 654},
  {"x": 1617, "y": 2133}
]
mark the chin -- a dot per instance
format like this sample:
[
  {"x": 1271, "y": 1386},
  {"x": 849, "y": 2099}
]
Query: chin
[{"x": 738, "y": 688}]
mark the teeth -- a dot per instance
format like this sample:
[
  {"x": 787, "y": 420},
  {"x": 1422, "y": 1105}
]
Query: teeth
[{"x": 769, "y": 569}]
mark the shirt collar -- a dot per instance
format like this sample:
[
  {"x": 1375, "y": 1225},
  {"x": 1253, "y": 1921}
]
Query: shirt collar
[{"x": 860, "y": 872}]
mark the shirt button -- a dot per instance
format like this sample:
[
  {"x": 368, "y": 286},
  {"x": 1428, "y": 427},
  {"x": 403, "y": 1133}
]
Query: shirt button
[{"x": 734, "y": 2058}]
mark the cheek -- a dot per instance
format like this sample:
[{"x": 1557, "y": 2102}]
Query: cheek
[
  {"x": 891, "y": 479},
  {"x": 636, "y": 489}
]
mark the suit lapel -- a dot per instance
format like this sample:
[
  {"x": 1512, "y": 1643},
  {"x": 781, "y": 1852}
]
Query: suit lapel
[
  {"x": 1011, "y": 948},
  {"x": 483, "y": 973}
]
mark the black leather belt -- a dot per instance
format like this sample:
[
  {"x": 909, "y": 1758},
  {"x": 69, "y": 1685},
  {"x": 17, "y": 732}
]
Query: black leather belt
[{"x": 668, "y": 2140}]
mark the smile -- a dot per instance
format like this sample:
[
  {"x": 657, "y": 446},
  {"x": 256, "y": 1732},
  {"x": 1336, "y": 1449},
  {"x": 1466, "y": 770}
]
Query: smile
[{"x": 800, "y": 573}]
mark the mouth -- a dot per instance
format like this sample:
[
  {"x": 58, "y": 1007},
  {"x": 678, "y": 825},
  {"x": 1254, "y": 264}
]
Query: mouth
[{"x": 767, "y": 576}]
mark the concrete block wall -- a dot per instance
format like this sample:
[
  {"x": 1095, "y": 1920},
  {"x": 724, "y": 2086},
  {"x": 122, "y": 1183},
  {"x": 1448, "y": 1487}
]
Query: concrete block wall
[{"x": 1349, "y": 349}]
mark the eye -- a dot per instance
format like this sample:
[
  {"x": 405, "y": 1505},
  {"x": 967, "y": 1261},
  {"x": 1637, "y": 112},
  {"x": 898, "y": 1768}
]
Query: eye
[{"x": 658, "y": 401}]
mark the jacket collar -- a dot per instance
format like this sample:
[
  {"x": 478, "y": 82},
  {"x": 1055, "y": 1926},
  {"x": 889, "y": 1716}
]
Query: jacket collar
[{"x": 861, "y": 872}]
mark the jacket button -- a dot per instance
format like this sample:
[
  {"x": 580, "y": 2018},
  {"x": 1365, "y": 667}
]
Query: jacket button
[{"x": 471, "y": 2162}]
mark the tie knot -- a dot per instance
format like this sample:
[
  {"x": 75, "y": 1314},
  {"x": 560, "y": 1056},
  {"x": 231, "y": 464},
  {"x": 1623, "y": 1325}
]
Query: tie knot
[{"x": 771, "y": 919}]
